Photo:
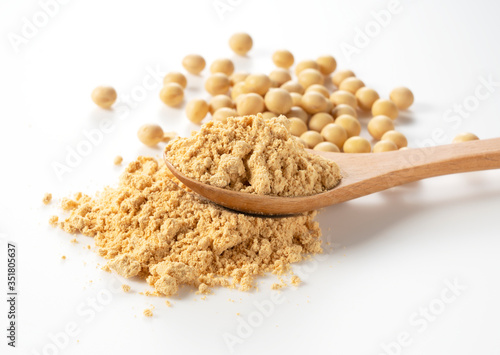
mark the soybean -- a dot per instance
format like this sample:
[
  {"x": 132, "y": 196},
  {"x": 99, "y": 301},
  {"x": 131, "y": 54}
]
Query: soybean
[
  {"x": 150, "y": 134},
  {"x": 357, "y": 145},
  {"x": 283, "y": 58},
  {"x": 222, "y": 65},
  {"x": 386, "y": 108},
  {"x": 320, "y": 120},
  {"x": 104, "y": 96},
  {"x": 175, "y": 77},
  {"x": 172, "y": 94},
  {"x": 241, "y": 43},
  {"x": 278, "y": 101},
  {"x": 366, "y": 97},
  {"x": 384, "y": 146},
  {"x": 335, "y": 134},
  {"x": 194, "y": 63},
  {"x": 312, "y": 138},
  {"x": 350, "y": 124},
  {"x": 196, "y": 110},
  {"x": 402, "y": 97},
  {"x": 327, "y": 64},
  {"x": 250, "y": 104},
  {"x": 379, "y": 125},
  {"x": 217, "y": 84}
]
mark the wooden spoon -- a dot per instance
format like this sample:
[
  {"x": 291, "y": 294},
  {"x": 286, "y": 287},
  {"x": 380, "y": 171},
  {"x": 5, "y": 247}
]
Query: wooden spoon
[{"x": 362, "y": 174}]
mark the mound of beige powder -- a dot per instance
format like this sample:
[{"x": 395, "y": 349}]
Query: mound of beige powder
[
  {"x": 148, "y": 226},
  {"x": 252, "y": 154}
]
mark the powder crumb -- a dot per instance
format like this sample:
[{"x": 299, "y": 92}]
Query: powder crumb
[
  {"x": 53, "y": 221},
  {"x": 63, "y": 257},
  {"x": 238, "y": 314},
  {"x": 68, "y": 204},
  {"x": 255, "y": 155},
  {"x": 148, "y": 312},
  {"x": 279, "y": 286},
  {"x": 296, "y": 281},
  {"x": 74, "y": 241},
  {"x": 118, "y": 160},
  {"x": 88, "y": 247},
  {"x": 125, "y": 288},
  {"x": 150, "y": 227},
  {"x": 47, "y": 198},
  {"x": 167, "y": 302},
  {"x": 203, "y": 289},
  {"x": 125, "y": 265}
]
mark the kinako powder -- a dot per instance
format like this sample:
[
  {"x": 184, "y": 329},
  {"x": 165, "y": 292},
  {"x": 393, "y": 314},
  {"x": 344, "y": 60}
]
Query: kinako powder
[
  {"x": 252, "y": 154},
  {"x": 152, "y": 227}
]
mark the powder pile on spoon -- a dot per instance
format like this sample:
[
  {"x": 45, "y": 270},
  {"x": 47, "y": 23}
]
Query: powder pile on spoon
[{"x": 252, "y": 154}]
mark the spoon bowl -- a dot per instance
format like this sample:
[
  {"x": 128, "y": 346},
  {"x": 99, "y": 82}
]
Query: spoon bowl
[{"x": 362, "y": 174}]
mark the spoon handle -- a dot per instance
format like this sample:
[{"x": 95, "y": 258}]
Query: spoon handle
[
  {"x": 417, "y": 164},
  {"x": 369, "y": 173}
]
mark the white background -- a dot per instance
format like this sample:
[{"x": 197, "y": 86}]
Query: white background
[{"x": 395, "y": 250}]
